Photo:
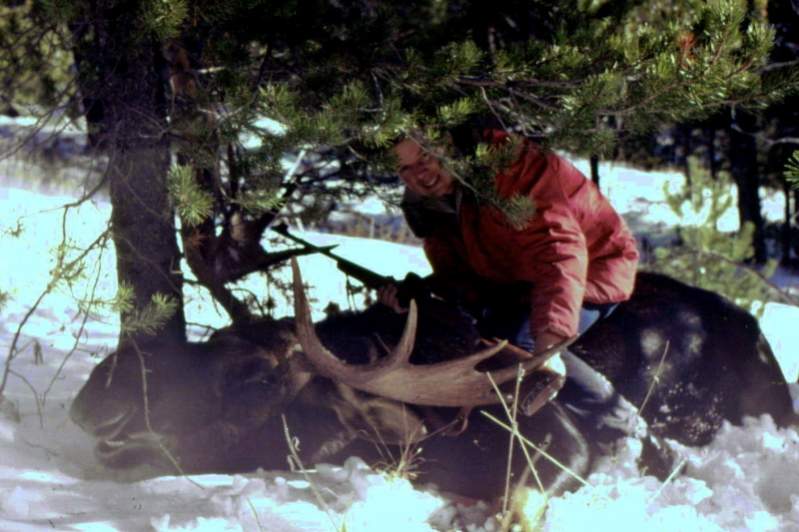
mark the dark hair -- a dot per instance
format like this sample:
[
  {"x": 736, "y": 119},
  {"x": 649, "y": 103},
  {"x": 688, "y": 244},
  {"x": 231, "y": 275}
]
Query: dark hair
[{"x": 466, "y": 136}]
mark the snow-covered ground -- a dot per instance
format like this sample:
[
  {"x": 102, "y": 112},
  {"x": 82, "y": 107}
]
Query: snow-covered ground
[{"x": 747, "y": 479}]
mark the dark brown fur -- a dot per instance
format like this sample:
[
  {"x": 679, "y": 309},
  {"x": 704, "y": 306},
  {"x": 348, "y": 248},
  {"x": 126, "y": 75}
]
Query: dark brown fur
[{"x": 216, "y": 405}]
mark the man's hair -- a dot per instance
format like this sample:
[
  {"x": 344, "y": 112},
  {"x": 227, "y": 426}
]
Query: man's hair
[{"x": 466, "y": 136}]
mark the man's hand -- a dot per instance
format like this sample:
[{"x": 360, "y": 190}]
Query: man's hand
[
  {"x": 387, "y": 295},
  {"x": 547, "y": 340}
]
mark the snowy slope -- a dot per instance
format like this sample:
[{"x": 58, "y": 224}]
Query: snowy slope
[{"x": 748, "y": 479}]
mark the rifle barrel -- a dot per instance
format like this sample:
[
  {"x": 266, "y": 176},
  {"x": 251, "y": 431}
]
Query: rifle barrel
[{"x": 366, "y": 276}]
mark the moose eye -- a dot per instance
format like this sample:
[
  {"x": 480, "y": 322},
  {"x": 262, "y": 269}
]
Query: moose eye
[
  {"x": 269, "y": 379},
  {"x": 254, "y": 371}
]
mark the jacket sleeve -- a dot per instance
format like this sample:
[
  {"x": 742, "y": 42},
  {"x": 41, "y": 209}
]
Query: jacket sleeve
[
  {"x": 451, "y": 276},
  {"x": 554, "y": 258},
  {"x": 441, "y": 254}
]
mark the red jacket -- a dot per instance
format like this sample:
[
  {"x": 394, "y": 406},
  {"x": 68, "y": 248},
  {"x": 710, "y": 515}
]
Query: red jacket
[{"x": 575, "y": 248}]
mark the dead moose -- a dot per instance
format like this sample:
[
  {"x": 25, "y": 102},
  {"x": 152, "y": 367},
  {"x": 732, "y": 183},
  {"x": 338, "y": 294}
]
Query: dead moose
[{"x": 372, "y": 384}]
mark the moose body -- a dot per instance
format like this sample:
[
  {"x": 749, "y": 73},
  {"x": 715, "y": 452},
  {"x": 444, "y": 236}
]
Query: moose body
[
  {"x": 689, "y": 359},
  {"x": 227, "y": 404},
  {"x": 233, "y": 403}
]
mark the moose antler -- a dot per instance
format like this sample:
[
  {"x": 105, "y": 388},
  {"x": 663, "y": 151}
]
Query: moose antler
[{"x": 454, "y": 383}]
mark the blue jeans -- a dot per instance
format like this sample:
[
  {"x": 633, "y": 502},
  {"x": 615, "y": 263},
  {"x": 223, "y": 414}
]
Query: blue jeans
[
  {"x": 586, "y": 392},
  {"x": 513, "y": 324}
]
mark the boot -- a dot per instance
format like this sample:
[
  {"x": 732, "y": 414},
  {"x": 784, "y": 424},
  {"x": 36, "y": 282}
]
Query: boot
[{"x": 608, "y": 416}]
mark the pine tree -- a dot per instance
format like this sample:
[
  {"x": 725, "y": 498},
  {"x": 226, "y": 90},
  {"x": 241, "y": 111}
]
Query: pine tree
[
  {"x": 119, "y": 88},
  {"x": 707, "y": 256},
  {"x": 343, "y": 80},
  {"x": 751, "y": 142},
  {"x": 571, "y": 76}
]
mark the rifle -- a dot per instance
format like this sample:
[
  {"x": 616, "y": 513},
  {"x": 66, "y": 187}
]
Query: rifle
[{"x": 412, "y": 287}]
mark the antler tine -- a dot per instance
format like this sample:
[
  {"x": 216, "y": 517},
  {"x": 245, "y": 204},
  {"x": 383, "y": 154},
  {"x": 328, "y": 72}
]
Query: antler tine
[
  {"x": 402, "y": 352},
  {"x": 454, "y": 383},
  {"x": 467, "y": 363},
  {"x": 328, "y": 363},
  {"x": 505, "y": 374},
  {"x": 304, "y": 325}
]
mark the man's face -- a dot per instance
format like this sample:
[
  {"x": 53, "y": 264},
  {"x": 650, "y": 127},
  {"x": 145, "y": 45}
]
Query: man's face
[{"x": 421, "y": 171}]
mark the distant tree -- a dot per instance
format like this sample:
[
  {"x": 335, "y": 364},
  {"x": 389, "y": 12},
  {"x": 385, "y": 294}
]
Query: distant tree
[
  {"x": 34, "y": 67},
  {"x": 708, "y": 256},
  {"x": 752, "y": 143}
]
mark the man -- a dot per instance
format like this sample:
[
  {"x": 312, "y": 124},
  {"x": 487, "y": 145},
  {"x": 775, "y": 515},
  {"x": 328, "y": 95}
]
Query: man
[{"x": 538, "y": 285}]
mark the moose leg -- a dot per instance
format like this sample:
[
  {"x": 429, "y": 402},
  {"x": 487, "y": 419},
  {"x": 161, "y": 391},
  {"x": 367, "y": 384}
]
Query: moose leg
[
  {"x": 474, "y": 463},
  {"x": 578, "y": 457}
]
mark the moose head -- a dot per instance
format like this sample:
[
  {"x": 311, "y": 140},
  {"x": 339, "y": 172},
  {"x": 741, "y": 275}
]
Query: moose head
[{"x": 143, "y": 401}]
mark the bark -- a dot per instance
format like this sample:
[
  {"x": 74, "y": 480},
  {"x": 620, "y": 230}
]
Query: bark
[
  {"x": 712, "y": 163},
  {"x": 84, "y": 48},
  {"x": 745, "y": 172},
  {"x": 130, "y": 88},
  {"x": 595, "y": 169},
  {"x": 143, "y": 227},
  {"x": 795, "y": 226}
]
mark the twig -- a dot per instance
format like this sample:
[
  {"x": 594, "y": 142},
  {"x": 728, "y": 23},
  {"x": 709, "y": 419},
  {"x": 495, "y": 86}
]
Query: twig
[
  {"x": 296, "y": 457},
  {"x": 255, "y": 513},
  {"x": 35, "y": 395},
  {"x": 655, "y": 379},
  {"x": 538, "y": 449},
  {"x": 54, "y": 280},
  {"x": 147, "y": 424},
  {"x": 296, "y": 166},
  {"x": 671, "y": 476},
  {"x": 41, "y": 122},
  {"x": 515, "y": 428},
  {"x": 86, "y": 314},
  {"x": 42, "y": 447},
  {"x": 765, "y": 140},
  {"x": 12, "y": 351},
  {"x": 513, "y": 419},
  {"x": 507, "y": 514},
  {"x": 408, "y": 449}
]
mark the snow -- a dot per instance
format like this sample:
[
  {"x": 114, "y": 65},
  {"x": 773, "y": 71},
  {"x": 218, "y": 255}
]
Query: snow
[{"x": 747, "y": 479}]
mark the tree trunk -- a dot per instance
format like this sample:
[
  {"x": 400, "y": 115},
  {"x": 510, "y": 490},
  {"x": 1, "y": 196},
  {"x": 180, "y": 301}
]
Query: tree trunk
[
  {"x": 84, "y": 49},
  {"x": 143, "y": 227},
  {"x": 785, "y": 234},
  {"x": 744, "y": 170},
  {"x": 130, "y": 88},
  {"x": 595, "y": 169},
  {"x": 795, "y": 225},
  {"x": 712, "y": 163}
]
